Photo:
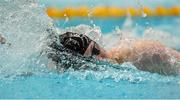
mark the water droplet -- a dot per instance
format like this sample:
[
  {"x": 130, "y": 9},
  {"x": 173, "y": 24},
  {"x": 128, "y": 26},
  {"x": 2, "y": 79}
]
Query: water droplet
[
  {"x": 91, "y": 21},
  {"x": 144, "y": 15},
  {"x": 67, "y": 19}
]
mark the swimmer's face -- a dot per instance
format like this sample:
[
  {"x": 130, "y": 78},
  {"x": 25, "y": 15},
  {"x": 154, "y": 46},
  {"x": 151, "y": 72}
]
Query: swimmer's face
[{"x": 81, "y": 44}]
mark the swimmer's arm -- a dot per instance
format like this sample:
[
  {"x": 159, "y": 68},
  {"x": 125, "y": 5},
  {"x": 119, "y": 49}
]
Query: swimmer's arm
[
  {"x": 120, "y": 54},
  {"x": 148, "y": 56}
]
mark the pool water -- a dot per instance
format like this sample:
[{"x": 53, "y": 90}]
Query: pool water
[
  {"x": 23, "y": 71},
  {"x": 70, "y": 86}
]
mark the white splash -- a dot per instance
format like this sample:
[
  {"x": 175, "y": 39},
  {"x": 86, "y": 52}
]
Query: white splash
[{"x": 24, "y": 24}]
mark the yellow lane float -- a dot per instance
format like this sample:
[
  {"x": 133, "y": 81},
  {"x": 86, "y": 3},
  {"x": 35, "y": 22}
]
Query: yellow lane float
[
  {"x": 162, "y": 11},
  {"x": 175, "y": 11},
  {"x": 103, "y": 11},
  {"x": 148, "y": 11},
  {"x": 116, "y": 12},
  {"x": 54, "y": 13}
]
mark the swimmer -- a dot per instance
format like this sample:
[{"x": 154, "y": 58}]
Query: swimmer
[{"x": 146, "y": 55}]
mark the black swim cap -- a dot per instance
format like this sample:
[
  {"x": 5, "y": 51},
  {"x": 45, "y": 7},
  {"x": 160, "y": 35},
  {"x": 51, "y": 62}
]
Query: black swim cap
[{"x": 77, "y": 42}]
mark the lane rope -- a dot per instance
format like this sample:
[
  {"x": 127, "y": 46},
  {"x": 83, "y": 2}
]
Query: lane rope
[{"x": 100, "y": 12}]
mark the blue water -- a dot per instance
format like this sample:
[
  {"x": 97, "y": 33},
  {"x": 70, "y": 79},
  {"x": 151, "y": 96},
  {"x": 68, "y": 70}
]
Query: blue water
[
  {"x": 66, "y": 86},
  {"x": 23, "y": 74},
  {"x": 109, "y": 24}
]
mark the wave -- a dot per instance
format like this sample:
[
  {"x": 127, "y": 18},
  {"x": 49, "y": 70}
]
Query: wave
[{"x": 23, "y": 24}]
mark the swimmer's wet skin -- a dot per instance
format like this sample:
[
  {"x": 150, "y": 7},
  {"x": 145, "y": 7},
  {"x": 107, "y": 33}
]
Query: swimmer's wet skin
[
  {"x": 145, "y": 55},
  {"x": 148, "y": 55}
]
